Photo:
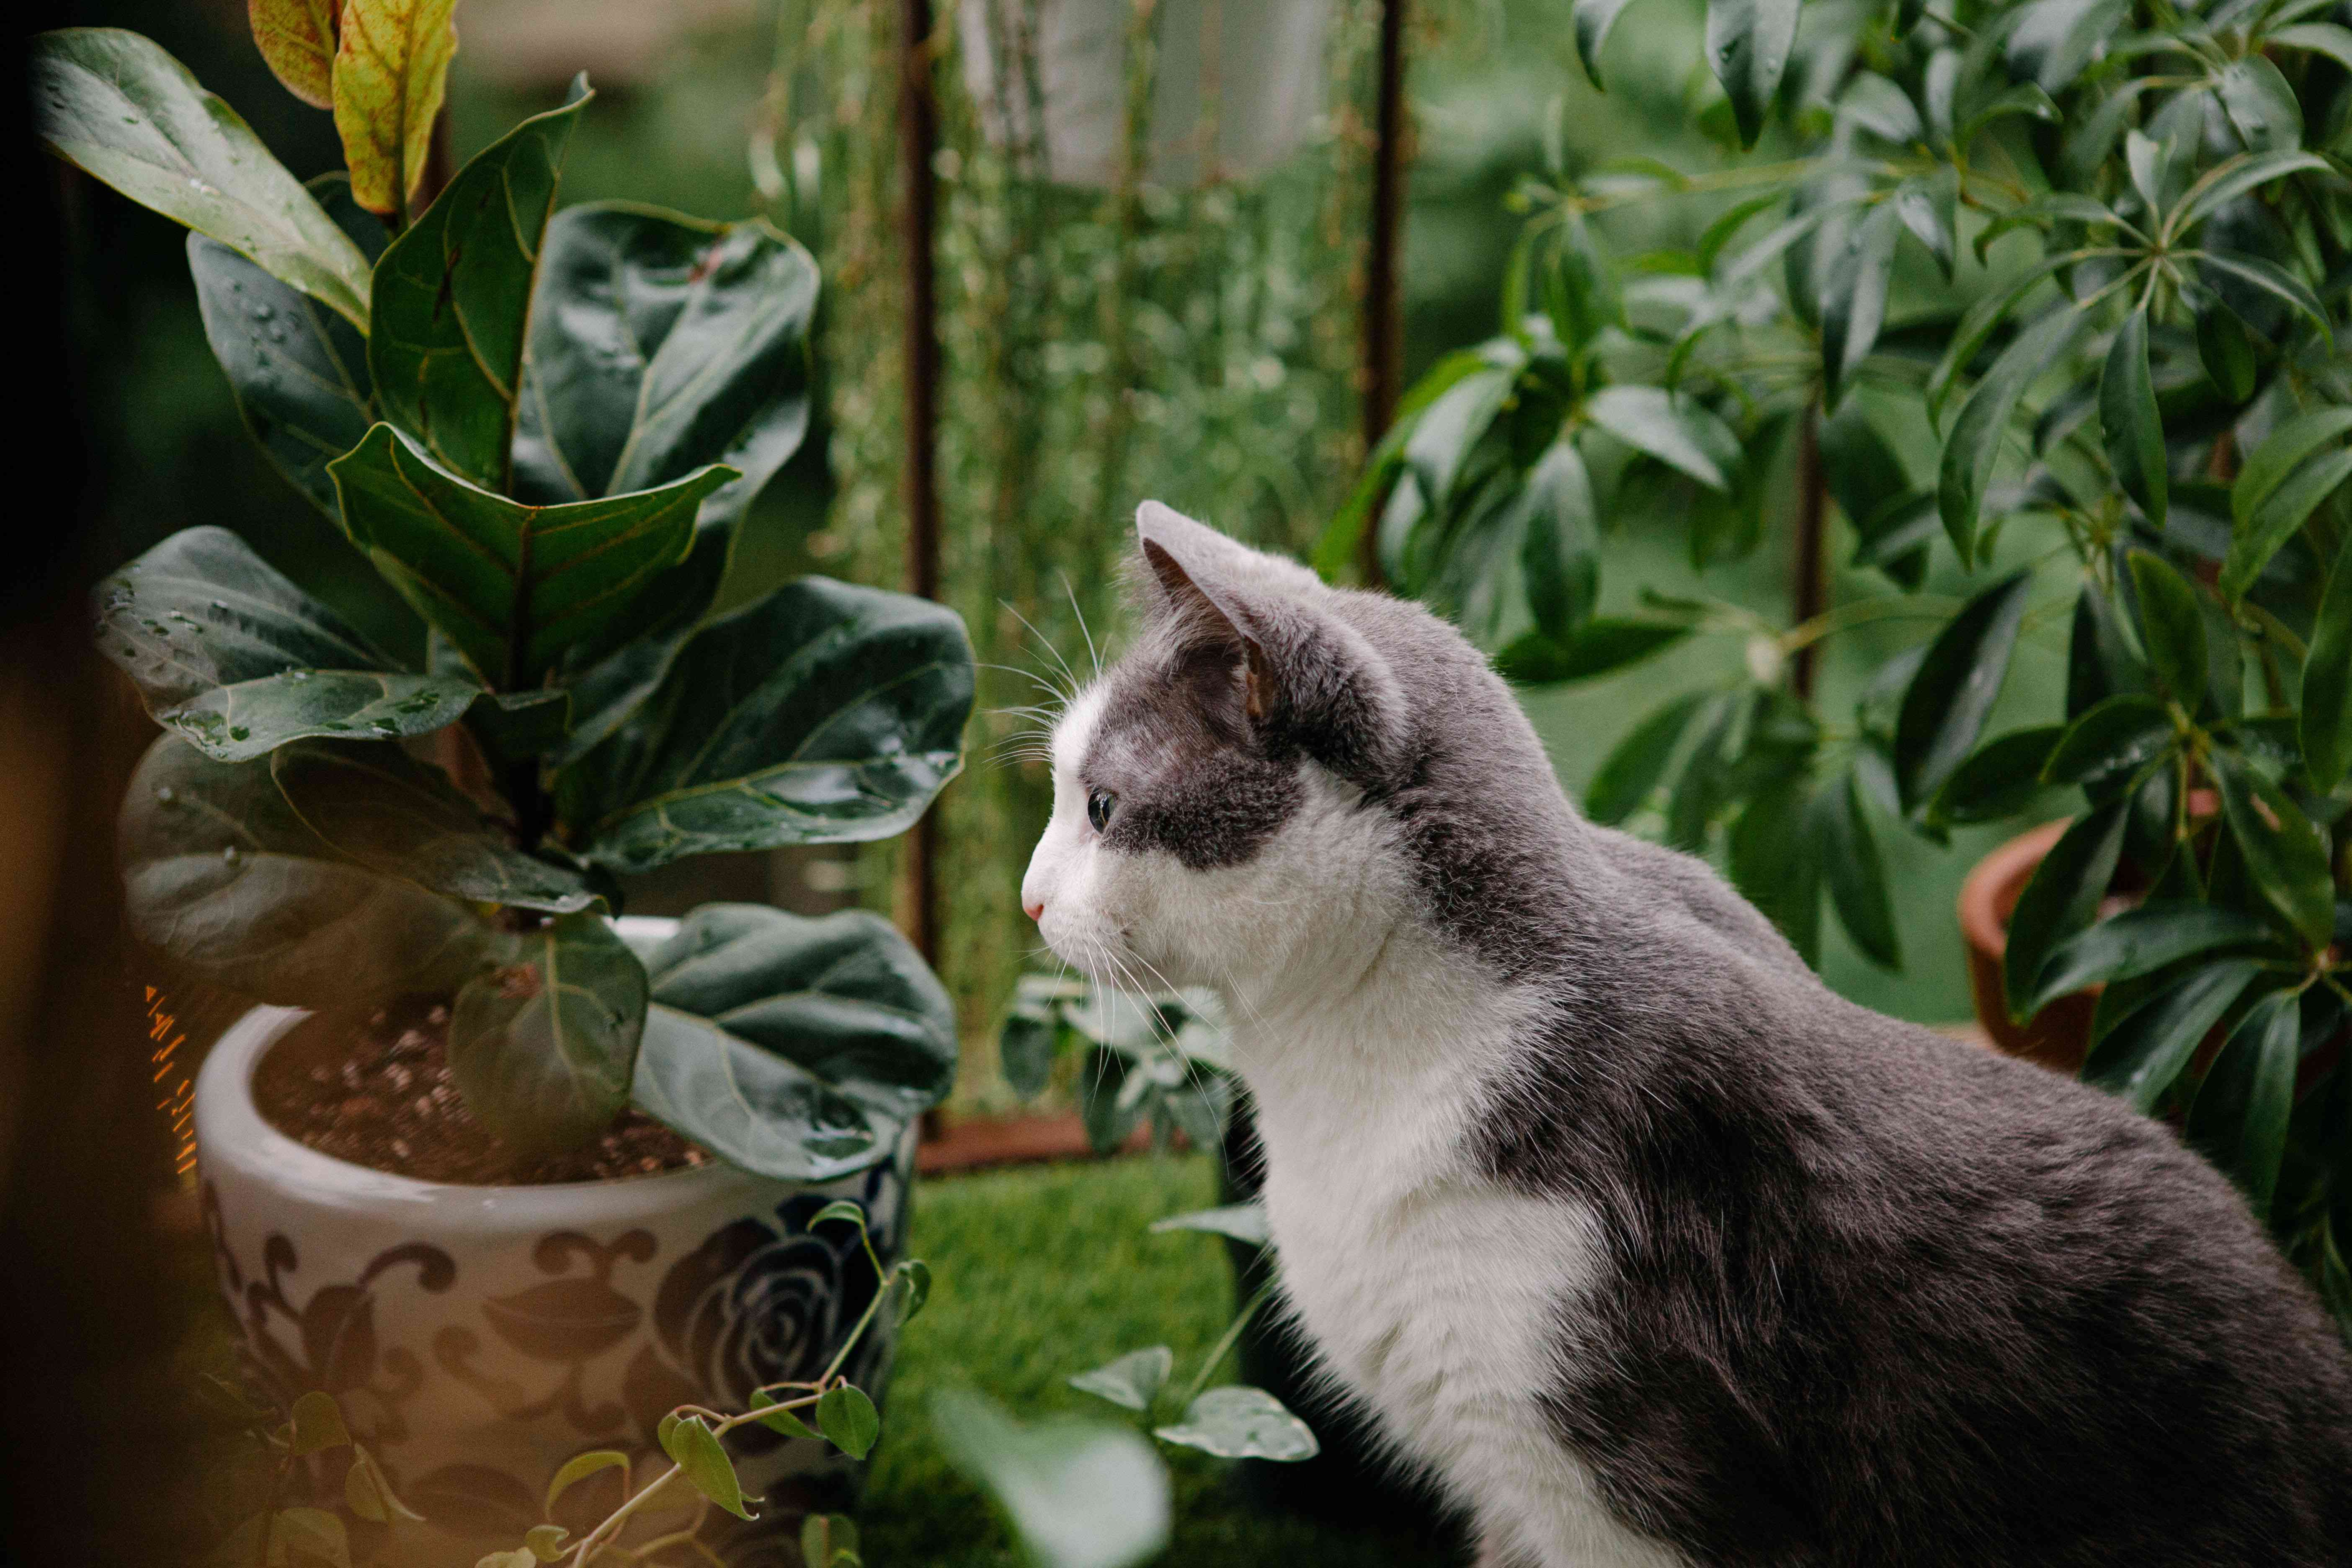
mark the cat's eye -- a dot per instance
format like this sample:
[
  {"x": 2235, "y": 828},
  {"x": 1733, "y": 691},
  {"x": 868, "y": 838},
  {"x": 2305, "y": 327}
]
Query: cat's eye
[{"x": 1100, "y": 803}]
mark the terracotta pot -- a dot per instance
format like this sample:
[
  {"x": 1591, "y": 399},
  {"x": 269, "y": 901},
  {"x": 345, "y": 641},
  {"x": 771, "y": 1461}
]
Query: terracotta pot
[
  {"x": 2058, "y": 1037},
  {"x": 477, "y": 1337}
]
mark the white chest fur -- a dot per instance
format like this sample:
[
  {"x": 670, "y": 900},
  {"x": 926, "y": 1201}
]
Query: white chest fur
[{"x": 1439, "y": 1301}]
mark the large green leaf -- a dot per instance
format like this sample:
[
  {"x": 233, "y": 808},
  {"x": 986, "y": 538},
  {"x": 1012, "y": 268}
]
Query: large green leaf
[
  {"x": 1597, "y": 647},
  {"x": 228, "y": 652},
  {"x": 2144, "y": 1052},
  {"x": 2284, "y": 853},
  {"x": 2172, "y": 629},
  {"x": 1972, "y": 451},
  {"x": 1678, "y": 432},
  {"x": 543, "y": 1047},
  {"x": 749, "y": 1107},
  {"x": 117, "y": 106},
  {"x": 452, "y": 295},
  {"x": 1854, "y": 296},
  {"x": 1078, "y": 1494},
  {"x": 2129, "y": 421},
  {"x": 845, "y": 997},
  {"x": 2238, "y": 1118},
  {"x": 1858, "y": 877},
  {"x": 383, "y": 809},
  {"x": 2062, "y": 899},
  {"x": 2140, "y": 942},
  {"x": 2327, "y": 723},
  {"x": 220, "y": 873},
  {"x": 1945, "y": 706},
  {"x": 1561, "y": 557},
  {"x": 1998, "y": 780},
  {"x": 2112, "y": 741},
  {"x": 515, "y": 588},
  {"x": 1776, "y": 860},
  {"x": 820, "y": 713},
  {"x": 1631, "y": 772},
  {"x": 1748, "y": 46},
  {"x": 2261, "y": 105},
  {"x": 2276, "y": 520},
  {"x": 659, "y": 344},
  {"x": 299, "y": 371}
]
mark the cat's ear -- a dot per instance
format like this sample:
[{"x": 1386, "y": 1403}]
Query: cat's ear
[{"x": 1190, "y": 581}]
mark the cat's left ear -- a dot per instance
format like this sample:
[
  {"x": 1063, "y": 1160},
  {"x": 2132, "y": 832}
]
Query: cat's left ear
[{"x": 1268, "y": 650}]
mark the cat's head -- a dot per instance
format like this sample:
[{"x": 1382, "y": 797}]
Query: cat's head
[{"x": 1232, "y": 799}]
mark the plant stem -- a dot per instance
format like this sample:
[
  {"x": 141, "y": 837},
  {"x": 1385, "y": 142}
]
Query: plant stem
[{"x": 1224, "y": 1345}]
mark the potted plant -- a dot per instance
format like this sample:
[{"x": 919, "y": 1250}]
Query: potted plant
[
  {"x": 2143, "y": 375},
  {"x": 509, "y": 1179},
  {"x": 1226, "y": 89}
]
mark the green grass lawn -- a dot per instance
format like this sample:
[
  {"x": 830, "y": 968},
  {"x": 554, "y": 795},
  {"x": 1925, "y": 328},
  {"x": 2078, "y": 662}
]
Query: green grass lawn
[{"x": 1047, "y": 1272}]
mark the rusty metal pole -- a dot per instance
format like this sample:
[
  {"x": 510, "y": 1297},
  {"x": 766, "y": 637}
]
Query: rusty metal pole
[
  {"x": 919, "y": 140},
  {"x": 1383, "y": 315}
]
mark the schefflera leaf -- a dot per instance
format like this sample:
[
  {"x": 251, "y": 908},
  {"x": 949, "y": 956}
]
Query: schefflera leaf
[
  {"x": 660, "y": 344},
  {"x": 220, "y": 872},
  {"x": 799, "y": 1048},
  {"x": 228, "y": 651},
  {"x": 821, "y": 714},
  {"x": 544, "y": 1046},
  {"x": 513, "y": 587}
]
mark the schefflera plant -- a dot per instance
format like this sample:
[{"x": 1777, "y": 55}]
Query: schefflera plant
[{"x": 543, "y": 427}]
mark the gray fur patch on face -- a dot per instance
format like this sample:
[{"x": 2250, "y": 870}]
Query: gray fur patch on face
[{"x": 1188, "y": 778}]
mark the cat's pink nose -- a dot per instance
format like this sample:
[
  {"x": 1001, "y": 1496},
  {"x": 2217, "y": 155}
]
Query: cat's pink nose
[{"x": 1036, "y": 910}]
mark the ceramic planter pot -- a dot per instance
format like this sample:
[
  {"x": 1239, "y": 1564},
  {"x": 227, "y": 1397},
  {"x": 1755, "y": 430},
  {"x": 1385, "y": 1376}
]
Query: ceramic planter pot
[
  {"x": 477, "y": 1337},
  {"x": 2058, "y": 1037},
  {"x": 1262, "y": 63}
]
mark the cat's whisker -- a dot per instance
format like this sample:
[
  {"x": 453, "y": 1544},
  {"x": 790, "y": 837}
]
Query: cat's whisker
[{"x": 1094, "y": 656}]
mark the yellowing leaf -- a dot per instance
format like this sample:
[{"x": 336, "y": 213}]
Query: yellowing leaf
[
  {"x": 297, "y": 37},
  {"x": 391, "y": 63}
]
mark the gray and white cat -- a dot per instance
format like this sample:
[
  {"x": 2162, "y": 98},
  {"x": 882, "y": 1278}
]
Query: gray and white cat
[{"x": 1649, "y": 1248}]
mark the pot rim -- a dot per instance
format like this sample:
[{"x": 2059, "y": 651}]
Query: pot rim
[{"x": 232, "y": 1134}]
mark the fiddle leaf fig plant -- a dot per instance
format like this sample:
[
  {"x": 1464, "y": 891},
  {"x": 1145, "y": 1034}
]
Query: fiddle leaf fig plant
[
  {"x": 2016, "y": 283},
  {"x": 543, "y": 427}
]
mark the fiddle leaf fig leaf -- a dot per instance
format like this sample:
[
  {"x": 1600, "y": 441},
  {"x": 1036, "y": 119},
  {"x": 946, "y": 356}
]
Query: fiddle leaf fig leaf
[
  {"x": 222, "y": 874},
  {"x": 1078, "y": 1494},
  {"x": 820, "y": 713},
  {"x": 383, "y": 809},
  {"x": 297, "y": 370},
  {"x": 390, "y": 70},
  {"x": 752, "y": 1108},
  {"x": 660, "y": 344},
  {"x": 513, "y": 587},
  {"x": 226, "y": 651},
  {"x": 452, "y": 296},
  {"x": 837, "y": 1019},
  {"x": 116, "y": 106},
  {"x": 297, "y": 38},
  {"x": 542, "y": 1046},
  {"x": 1241, "y": 1423}
]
